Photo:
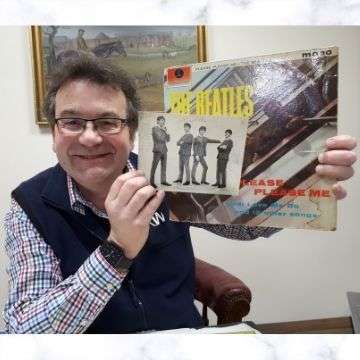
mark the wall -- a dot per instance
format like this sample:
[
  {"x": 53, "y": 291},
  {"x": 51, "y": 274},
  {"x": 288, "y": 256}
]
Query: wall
[
  {"x": 25, "y": 149},
  {"x": 294, "y": 275}
]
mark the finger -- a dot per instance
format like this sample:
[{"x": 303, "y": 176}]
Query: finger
[
  {"x": 149, "y": 209},
  {"x": 338, "y": 191},
  {"x": 119, "y": 182},
  {"x": 138, "y": 201},
  {"x": 337, "y": 157},
  {"x": 129, "y": 189},
  {"x": 345, "y": 142},
  {"x": 335, "y": 172}
]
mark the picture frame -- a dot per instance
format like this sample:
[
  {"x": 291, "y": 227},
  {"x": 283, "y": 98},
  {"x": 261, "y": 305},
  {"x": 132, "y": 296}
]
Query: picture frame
[{"x": 143, "y": 51}]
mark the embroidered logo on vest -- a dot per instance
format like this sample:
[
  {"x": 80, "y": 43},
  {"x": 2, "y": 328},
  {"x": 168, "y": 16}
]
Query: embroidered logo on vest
[{"x": 157, "y": 219}]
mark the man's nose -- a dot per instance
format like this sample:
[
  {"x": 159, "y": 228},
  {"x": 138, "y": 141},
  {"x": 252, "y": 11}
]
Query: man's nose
[{"x": 90, "y": 137}]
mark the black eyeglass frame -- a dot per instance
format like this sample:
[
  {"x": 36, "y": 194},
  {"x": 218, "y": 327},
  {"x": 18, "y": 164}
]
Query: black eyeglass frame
[{"x": 124, "y": 122}]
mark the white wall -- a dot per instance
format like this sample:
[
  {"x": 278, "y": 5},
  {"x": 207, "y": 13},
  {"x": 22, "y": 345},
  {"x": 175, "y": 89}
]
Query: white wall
[
  {"x": 24, "y": 148},
  {"x": 294, "y": 275}
]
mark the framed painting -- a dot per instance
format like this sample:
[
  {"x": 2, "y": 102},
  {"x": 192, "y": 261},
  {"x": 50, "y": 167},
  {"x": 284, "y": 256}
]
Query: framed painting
[{"x": 143, "y": 51}]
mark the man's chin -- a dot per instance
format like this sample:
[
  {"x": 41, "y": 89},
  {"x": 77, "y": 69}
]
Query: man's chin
[{"x": 92, "y": 176}]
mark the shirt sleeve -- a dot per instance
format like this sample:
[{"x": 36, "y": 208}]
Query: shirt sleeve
[
  {"x": 40, "y": 300},
  {"x": 238, "y": 232}
]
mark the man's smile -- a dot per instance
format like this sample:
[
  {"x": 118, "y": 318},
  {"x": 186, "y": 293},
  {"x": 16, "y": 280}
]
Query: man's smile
[{"x": 92, "y": 156}]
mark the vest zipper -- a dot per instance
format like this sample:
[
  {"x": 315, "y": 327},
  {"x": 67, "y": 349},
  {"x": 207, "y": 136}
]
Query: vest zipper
[{"x": 138, "y": 302}]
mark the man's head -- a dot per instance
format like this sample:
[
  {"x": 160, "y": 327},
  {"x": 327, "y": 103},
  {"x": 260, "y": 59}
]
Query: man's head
[
  {"x": 160, "y": 120},
  {"x": 89, "y": 89},
  {"x": 228, "y": 133},
  {"x": 53, "y": 29},
  {"x": 81, "y": 32},
  {"x": 187, "y": 127},
  {"x": 96, "y": 72},
  {"x": 202, "y": 130}
]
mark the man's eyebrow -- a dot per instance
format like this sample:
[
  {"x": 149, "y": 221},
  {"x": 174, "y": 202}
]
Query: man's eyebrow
[
  {"x": 70, "y": 112},
  {"x": 109, "y": 114}
]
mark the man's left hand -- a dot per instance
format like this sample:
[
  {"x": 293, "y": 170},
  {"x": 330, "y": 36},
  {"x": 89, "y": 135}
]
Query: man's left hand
[{"x": 336, "y": 162}]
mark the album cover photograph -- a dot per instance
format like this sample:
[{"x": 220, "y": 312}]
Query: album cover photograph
[{"x": 190, "y": 154}]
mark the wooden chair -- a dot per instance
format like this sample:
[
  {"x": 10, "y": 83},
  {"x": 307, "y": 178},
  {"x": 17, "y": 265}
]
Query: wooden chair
[{"x": 222, "y": 292}]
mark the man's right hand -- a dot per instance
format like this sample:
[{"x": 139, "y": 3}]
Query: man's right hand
[{"x": 130, "y": 205}]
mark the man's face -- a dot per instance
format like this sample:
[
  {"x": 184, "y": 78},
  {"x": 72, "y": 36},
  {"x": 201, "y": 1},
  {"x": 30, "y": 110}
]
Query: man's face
[
  {"x": 227, "y": 135},
  {"x": 202, "y": 132},
  {"x": 187, "y": 129},
  {"x": 91, "y": 160},
  {"x": 161, "y": 122}
]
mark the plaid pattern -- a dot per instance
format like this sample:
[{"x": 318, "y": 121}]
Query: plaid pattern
[{"x": 40, "y": 300}]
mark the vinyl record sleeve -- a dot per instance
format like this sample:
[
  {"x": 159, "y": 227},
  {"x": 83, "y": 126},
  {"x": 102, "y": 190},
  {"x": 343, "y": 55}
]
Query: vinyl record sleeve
[{"x": 291, "y": 102}]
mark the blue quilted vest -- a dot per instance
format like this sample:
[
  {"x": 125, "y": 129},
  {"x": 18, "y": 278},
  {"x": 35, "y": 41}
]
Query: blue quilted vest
[{"x": 158, "y": 292}]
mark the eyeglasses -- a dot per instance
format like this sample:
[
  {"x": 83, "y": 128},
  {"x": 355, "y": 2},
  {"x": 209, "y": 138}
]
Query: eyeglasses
[{"x": 104, "y": 126}]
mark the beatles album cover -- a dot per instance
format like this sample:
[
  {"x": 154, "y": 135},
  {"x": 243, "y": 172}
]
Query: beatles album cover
[
  {"x": 290, "y": 103},
  {"x": 192, "y": 153}
]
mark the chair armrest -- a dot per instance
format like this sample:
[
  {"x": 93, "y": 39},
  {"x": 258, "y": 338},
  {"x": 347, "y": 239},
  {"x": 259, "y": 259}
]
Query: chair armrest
[{"x": 222, "y": 292}]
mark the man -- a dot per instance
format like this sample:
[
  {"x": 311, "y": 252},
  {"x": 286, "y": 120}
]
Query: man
[
  {"x": 51, "y": 57},
  {"x": 83, "y": 256},
  {"x": 222, "y": 159},
  {"x": 160, "y": 138},
  {"x": 185, "y": 145},
  {"x": 199, "y": 152},
  {"x": 81, "y": 42}
]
